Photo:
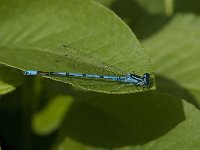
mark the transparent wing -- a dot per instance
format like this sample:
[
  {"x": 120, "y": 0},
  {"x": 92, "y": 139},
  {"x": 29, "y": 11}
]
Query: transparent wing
[
  {"x": 77, "y": 61},
  {"x": 80, "y": 62}
]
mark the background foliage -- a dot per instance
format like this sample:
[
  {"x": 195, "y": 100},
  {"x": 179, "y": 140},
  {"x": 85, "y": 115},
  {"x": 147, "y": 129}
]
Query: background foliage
[{"x": 40, "y": 113}]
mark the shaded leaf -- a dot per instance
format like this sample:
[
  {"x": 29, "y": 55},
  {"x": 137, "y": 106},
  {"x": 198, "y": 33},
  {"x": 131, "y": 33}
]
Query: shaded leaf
[
  {"x": 139, "y": 121},
  {"x": 152, "y": 6},
  {"x": 144, "y": 17},
  {"x": 9, "y": 79}
]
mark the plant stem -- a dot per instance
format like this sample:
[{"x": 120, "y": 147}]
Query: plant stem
[{"x": 169, "y": 7}]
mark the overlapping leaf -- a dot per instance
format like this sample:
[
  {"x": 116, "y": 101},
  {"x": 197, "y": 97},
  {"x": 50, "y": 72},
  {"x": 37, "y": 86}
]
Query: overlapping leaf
[
  {"x": 50, "y": 118},
  {"x": 141, "y": 121},
  {"x": 175, "y": 53}
]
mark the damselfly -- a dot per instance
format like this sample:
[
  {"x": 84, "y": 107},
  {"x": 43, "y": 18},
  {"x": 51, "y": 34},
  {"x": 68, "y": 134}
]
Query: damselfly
[
  {"x": 89, "y": 72},
  {"x": 133, "y": 79}
]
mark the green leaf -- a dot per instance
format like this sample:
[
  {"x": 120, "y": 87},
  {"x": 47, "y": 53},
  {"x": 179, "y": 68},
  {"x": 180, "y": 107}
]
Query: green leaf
[
  {"x": 105, "y": 2},
  {"x": 9, "y": 79},
  {"x": 144, "y": 17},
  {"x": 11, "y": 76},
  {"x": 152, "y": 6},
  {"x": 5, "y": 88},
  {"x": 175, "y": 54},
  {"x": 130, "y": 122},
  {"x": 99, "y": 42},
  {"x": 49, "y": 119},
  {"x": 149, "y": 6}
]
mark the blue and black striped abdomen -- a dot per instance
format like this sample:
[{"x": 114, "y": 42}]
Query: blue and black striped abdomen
[{"x": 128, "y": 79}]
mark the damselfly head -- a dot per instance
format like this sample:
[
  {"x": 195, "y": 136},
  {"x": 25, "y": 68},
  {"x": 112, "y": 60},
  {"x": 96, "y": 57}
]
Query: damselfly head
[{"x": 146, "y": 79}]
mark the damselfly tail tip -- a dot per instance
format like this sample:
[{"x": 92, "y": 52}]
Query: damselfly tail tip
[{"x": 30, "y": 72}]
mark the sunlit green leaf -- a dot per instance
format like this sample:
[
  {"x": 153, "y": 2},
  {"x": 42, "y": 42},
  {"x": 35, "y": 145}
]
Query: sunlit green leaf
[
  {"x": 49, "y": 119},
  {"x": 99, "y": 41},
  {"x": 5, "y": 88}
]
